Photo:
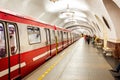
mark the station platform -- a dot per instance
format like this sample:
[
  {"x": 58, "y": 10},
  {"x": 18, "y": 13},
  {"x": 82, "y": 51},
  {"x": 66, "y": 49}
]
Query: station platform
[{"x": 79, "y": 61}]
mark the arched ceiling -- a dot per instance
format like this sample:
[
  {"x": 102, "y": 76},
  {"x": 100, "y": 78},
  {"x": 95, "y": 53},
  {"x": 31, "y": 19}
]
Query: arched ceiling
[
  {"x": 65, "y": 13},
  {"x": 81, "y": 29}
]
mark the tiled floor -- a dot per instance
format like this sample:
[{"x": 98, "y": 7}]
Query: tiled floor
[
  {"x": 79, "y": 61},
  {"x": 113, "y": 62}
]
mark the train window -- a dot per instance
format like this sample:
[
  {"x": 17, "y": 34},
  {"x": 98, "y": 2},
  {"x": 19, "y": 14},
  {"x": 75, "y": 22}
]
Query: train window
[
  {"x": 61, "y": 35},
  {"x": 58, "y": 33},
  {"x": 70, "y": 36},
  {"x": 12, "y": 34},
  {"x": 2, "y": 42},
  {"x": 53, "y": 37},
  {"x": 33, "y": 34},
  {"x": 65, "y": 35},
  {"x": 58, "y": 36},
  {"x": 53, "y": 33}
]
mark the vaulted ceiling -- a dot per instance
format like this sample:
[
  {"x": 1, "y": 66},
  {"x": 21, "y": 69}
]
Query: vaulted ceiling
[{"x": 83, "y": 16}]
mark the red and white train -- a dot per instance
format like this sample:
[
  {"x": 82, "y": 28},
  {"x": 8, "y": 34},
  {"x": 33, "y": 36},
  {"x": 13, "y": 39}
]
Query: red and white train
[{"x": 26, "y": 43}]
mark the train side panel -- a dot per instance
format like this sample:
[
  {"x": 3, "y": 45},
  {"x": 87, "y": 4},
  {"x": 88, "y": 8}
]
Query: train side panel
[{"x": 35, "y": 42}]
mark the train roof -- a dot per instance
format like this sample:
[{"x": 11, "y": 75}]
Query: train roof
[{"x": 14, "y": 17}]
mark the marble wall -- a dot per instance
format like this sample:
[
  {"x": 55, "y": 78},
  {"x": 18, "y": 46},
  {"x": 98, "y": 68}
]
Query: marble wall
[{"x": 116, "y": 47}]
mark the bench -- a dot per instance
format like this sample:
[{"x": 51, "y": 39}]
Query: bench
[
  {"x": 99, "y": 45},
  {"x": 108, "y": 51}
]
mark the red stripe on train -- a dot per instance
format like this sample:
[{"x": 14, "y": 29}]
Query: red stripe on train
[{"x": 27, "y": 57}]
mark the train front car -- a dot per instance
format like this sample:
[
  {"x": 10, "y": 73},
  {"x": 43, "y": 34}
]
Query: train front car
[{"x": 26, "y": 43}]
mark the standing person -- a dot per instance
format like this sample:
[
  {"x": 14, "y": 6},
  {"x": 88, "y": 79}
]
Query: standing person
[
  {"x": 93, "y": 39},
  {"x": 88, "y": 39}
]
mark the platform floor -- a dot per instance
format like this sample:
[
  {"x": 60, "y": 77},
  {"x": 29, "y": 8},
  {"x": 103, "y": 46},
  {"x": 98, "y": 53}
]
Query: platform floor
[{"x": 79, "y": 61}]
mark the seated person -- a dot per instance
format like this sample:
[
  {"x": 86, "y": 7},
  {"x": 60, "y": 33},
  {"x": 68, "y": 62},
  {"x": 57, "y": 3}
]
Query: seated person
[{"x": 117, "y": 69}]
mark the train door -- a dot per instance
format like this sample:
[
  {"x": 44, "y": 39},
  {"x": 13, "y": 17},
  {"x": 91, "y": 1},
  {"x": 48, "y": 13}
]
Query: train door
[
  {"x": 9, "y": 51},
  {"x": 62, "y": 38},
  {"x": 70, "y": 38},
  {"x": 48, "y": 41},
  {"x": 67, "y": 39},
  {"x": 58, "y": 39},
  {"x": 13, "y": 50}
]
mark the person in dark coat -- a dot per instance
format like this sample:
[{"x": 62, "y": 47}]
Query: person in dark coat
[
  {"x": 88, "y": 39},
  {"x": 117, "y": 69}
]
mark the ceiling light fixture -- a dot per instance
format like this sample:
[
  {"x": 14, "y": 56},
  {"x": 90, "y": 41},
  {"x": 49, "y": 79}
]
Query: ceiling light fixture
[{"x": 67, "y": 13}]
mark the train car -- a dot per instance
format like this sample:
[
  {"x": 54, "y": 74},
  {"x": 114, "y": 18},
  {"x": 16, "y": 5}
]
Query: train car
[{"x": 26, "y": 43}]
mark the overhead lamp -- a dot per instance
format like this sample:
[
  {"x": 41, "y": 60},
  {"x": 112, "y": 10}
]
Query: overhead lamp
[
  {"x": 53, "y": 0},
  {"x": 67, "y": 13}
]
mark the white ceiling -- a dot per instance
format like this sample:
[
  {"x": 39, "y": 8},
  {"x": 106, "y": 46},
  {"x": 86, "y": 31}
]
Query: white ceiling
[{"x": 85, "y": 12}]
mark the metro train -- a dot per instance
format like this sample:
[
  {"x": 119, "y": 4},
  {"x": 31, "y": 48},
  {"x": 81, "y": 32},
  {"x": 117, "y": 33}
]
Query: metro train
[{"x": 26, "y": 43}]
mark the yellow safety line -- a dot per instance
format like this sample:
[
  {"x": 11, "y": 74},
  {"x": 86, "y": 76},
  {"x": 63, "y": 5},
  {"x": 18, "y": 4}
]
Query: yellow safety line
[{"x": 51, "y": 67}]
